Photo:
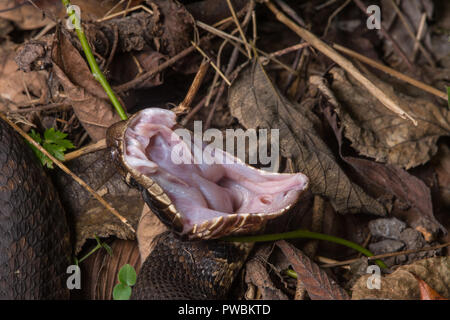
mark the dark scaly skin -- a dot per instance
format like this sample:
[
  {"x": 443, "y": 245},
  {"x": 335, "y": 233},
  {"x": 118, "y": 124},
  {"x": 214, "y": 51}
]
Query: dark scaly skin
[
  {"x": 34, "y": 236},
  {"x": 197, "y": 270}
]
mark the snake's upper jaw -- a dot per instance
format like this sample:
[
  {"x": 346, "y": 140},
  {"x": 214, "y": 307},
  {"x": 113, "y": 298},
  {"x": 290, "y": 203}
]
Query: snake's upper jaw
[{"x": 198, "y": 200}]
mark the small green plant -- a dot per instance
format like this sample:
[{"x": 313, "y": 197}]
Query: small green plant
[
  {"x": 98, "y": 246},
  {"x": 127, "y": 279},
  {"x": 54, "y": 142}
]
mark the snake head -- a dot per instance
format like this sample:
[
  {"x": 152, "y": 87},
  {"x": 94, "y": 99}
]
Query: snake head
[{"x": 208, "y": 199}]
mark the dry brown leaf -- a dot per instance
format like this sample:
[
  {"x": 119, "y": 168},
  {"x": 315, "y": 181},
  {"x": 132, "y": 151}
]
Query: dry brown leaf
[
  {"x": 148, "y": 228},
  {"x": 427, "y": 292},
  {"x": 87, "y": 97},
  {"x": 386, "y": 178},
  {"x": 403, "y": 285},
  {"x": 256, "y": 275},
  {"x": 13, "y": 83},
  {"x": 316, "y": 281},
  {"x": 28, "y": 17},
  {"x": 256, "y": 103},
  {"x": 378, "y": 133}
]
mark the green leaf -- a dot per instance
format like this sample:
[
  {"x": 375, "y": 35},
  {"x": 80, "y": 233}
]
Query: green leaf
[
  {"x": 127, "y": 275},
  {"x": 122, "y": 292},
  {"x": 54, "y": 142},
  {"x": 36, "y": 136}
]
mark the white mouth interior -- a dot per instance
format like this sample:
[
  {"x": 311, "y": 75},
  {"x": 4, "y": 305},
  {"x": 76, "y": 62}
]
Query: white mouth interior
[{"x": 203, "y": 192}]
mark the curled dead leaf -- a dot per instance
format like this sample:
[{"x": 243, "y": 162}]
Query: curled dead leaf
[{"x": 316, "y": 281}]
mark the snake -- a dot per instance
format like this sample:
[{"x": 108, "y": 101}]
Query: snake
[{"x": 201, "y": 200}]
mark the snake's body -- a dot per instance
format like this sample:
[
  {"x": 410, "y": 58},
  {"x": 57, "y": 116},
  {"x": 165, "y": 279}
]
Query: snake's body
[{"x": 34, "y": 236}]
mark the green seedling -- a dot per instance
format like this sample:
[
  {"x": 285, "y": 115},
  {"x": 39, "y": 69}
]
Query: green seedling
[
  {"x": 127, "y": 279},
  {"x": 54, "y": 142}
]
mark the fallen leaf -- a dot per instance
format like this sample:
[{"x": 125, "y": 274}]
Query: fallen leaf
[
  {"x": 256, "y": 274},
  {"x": 402, "y": 283},
  {"x": 376, "y": 132},
  {"x": 256, "y": 103},
  {"x": 427, "y": 292},
  {"x": 13, "y": 83},
  {"x": 27, "y": 16},
  {"x": 316, "y": 281},
  {"x": 389, "y": 178}
]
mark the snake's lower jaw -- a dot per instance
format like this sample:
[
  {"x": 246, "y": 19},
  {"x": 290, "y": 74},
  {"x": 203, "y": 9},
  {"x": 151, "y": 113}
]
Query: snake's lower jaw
[{"x": 198, "y": 200}]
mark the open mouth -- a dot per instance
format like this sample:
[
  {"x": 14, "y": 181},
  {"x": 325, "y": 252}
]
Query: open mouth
[{"x": 215, "y": 199}]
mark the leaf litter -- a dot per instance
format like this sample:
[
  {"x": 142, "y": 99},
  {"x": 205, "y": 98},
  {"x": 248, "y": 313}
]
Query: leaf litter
[{"x": 365, "y": 162}]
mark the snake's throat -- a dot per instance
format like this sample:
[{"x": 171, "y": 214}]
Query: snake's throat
[{"x": 209, "y": 197}]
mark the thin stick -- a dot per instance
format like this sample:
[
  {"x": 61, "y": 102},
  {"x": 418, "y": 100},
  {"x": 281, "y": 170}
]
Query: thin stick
[
  {"x": 124, "y": 12},
  {"x": 232, "y": 38},
  {"x": 42, "y": 108},
  {"x": 392, "y": 72},
  {"x": 241, "y": 32},
  {"x": 410, "y": 32},
  {"x": 386, "y": 255},
  {"x": 290, "y": 49},
  {"x": 193, "y": 89},
  {"x": 139, "y": 79},
  {"x": 340, "y": 60},
  {"x": 67, "y": 170},
  {"x": 419, "y": 36},
  {"x": 211, "y": 63},
  {"x": 99, "y": 145}
]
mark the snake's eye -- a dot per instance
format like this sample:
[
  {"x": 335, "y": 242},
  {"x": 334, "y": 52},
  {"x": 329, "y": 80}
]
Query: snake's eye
[{"x": 204, "y": 193}]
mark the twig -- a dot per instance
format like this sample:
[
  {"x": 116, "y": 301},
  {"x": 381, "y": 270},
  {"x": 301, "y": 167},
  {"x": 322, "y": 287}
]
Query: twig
[
  {"x": 241, "y": 32},
  {"x": 232, "y": 38},
  {"x": 419, "y": 36},
  {"x": 343, "y": 62},
  {"x": 139, "y": 79},
  {"x": 410, "y": 32},
  {"x": 42, "y": 108},
  {"x": 124, "y": 12},
  {"x": 289, "y": 49},
  {"x": 193, "y": 89},
  {"x": 211, "y": 63},
  {"x": 334, "y": 14},
  {"x": 67, "y": 170},
  {"x": 99, "y": 145},
  {"x": 386, "y": 255},
  {"x": 391, "y": 72}
]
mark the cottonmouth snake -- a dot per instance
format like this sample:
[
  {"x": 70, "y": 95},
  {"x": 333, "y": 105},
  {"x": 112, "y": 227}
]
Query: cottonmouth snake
[{"x": 34, "y": 238}]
